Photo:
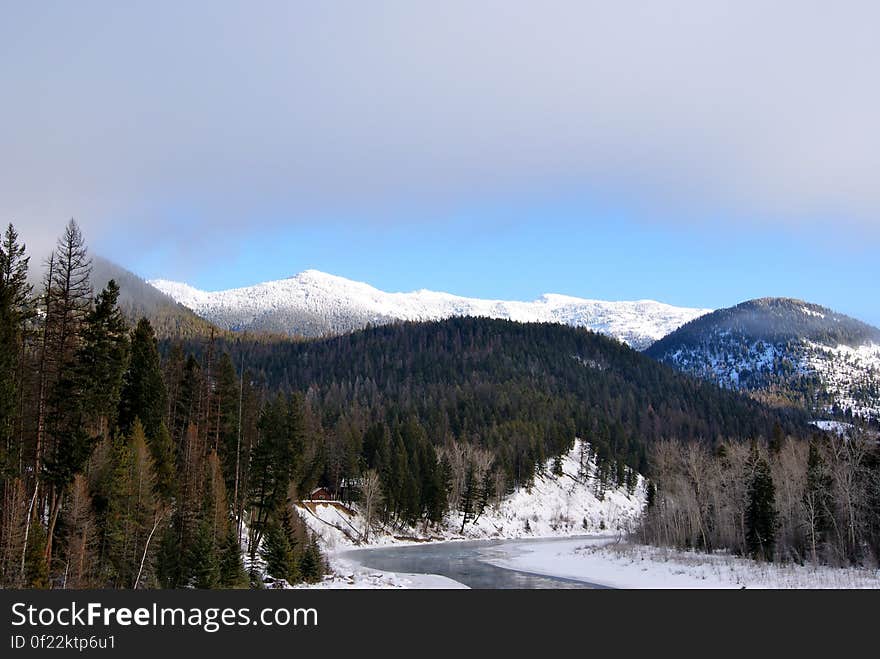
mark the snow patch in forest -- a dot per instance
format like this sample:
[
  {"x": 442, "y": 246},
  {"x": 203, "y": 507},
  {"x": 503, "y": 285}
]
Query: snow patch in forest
[{"x": 838, "y": 427}]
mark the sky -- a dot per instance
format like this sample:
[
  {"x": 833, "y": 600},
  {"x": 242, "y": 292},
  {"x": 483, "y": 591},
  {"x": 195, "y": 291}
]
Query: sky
[{"x": 697, "y": 152}]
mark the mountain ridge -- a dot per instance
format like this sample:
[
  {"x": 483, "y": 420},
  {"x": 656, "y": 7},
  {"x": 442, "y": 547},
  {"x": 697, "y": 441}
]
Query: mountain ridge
[
  {"x": 137, "y": 298},
  {"x": 314, "y": 303}
]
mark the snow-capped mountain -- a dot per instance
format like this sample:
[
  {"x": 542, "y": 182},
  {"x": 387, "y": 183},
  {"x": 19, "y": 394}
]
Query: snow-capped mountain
[
  {"x": 785, "y": 352},
  {"x": 314, "y": 303}
]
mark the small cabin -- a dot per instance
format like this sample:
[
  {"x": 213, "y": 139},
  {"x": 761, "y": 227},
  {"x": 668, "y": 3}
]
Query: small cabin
[{"x": 320, "y": 494}]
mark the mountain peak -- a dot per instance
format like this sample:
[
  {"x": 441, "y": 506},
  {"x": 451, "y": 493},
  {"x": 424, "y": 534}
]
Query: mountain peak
[
  {"x": 319, "y": 275},
  {"x": 784, "y": 350}
]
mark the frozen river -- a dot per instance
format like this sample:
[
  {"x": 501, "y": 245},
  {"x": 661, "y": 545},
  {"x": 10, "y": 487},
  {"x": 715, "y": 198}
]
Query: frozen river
[{"x": 465, "y": 562}]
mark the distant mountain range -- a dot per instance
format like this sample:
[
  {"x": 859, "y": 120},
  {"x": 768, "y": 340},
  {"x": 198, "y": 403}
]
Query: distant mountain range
[
  {"x": 781, "y": 351},
  {"x": 316, "y": 304}
]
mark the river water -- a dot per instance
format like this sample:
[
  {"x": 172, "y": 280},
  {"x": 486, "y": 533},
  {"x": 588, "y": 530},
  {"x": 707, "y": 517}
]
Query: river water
[{"x": 464, "y": 562}]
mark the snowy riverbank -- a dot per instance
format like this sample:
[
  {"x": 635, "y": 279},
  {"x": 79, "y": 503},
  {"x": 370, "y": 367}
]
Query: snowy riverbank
[
  {"x": 563, "y": 505},
  {"x": 348, "y": 574},
  {"x": 559, "y": 506},
  {"x": 623, "y": 565},
  {"x": 556, "y": 505}
]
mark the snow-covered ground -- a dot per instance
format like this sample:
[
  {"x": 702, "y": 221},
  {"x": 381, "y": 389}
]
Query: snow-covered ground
[
  {"x": 839, "y": 427},
  {"x": 347, "y": 574},
  {"x": 623, "y": 565},
  {"x": 554, "y": 506},
  {"x": 315, "y": 303}
]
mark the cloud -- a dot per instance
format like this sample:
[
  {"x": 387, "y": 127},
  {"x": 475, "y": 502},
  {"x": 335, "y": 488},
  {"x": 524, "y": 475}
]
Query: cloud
[{"x": 156, "y": 120}]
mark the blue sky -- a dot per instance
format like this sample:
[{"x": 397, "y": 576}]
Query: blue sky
[
  {"x": 504, "y": 148},
  {"x": 598, "y": 251}
]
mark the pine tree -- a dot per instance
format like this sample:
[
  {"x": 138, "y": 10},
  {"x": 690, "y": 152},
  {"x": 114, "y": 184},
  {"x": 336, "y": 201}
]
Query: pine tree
[
  {"x": 585, "y": 454},
  {"x": 15, "y": 310},
  {"x": 274, "y": 460},
  {"x": 484, "y": 492},
  {"x": 444, "y": 485},
  {"x": 13, "y": 524},
  {"x": 169, "y": 566},
  {"x": 435, "y": 485},
  {"x": 36, "y": 572},
  {"x": 761, "y": 517},
  {"x": 130, "y": 510},
  {"x": 776, "y": 439},
  {"x": 185, "y": 409},
  {"x": 202, "y": 559},
  {"x": 68, "y": 443},
  {"x": 278, "y": 553},
  {"x": 14, "y": 265},
  {"x": 650, "y": 495},
  {"x": 143, "y": 393},
  {"x": 311, "y": 563},
  {"x": 632, "y": 481},
  {"x": 162, "y": 454},
  {"x": 117, "y": 523},
  {"x": 190, "y": 499},
  {"x": 224, "y": 424},
  {"x": 232, "y": 574},
  {"x": 466, "y": 503},
  {"x": 103, "y": 359},
  {"x": 400, "y": 479}
]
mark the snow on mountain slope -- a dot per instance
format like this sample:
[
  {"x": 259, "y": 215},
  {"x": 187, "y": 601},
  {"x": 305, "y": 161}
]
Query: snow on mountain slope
[
  {"x": 851, "y": 376},
  {"x": 785, "y": 352},
  {"x": 314, "y": 303}
]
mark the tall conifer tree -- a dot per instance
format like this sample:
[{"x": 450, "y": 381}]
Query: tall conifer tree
[{"x": 761, "y": 517}]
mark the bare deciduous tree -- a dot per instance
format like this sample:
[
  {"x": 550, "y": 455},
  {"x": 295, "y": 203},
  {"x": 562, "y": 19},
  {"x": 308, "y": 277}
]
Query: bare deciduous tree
[{"x": 371, "y": 499}]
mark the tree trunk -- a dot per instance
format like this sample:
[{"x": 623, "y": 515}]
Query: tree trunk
[
  {"x": 159, "y": 516},
  {"x": 27, "y": 530},
  {"x": 54, "y": 509}
]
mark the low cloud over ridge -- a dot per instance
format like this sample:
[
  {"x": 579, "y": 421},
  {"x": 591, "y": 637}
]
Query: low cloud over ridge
[{"x": 276, "y": 111}]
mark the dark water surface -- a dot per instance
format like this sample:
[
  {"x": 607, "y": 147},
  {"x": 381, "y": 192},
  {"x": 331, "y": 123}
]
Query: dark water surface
[{"x": 464, "y": 562}]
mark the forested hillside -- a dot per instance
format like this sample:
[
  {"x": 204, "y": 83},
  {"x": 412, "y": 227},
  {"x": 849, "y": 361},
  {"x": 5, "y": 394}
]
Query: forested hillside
[
  {"x": 137, "y": 299},
  {"x": 522, "y": 391},
  {"x": 784, "y": 352}
]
